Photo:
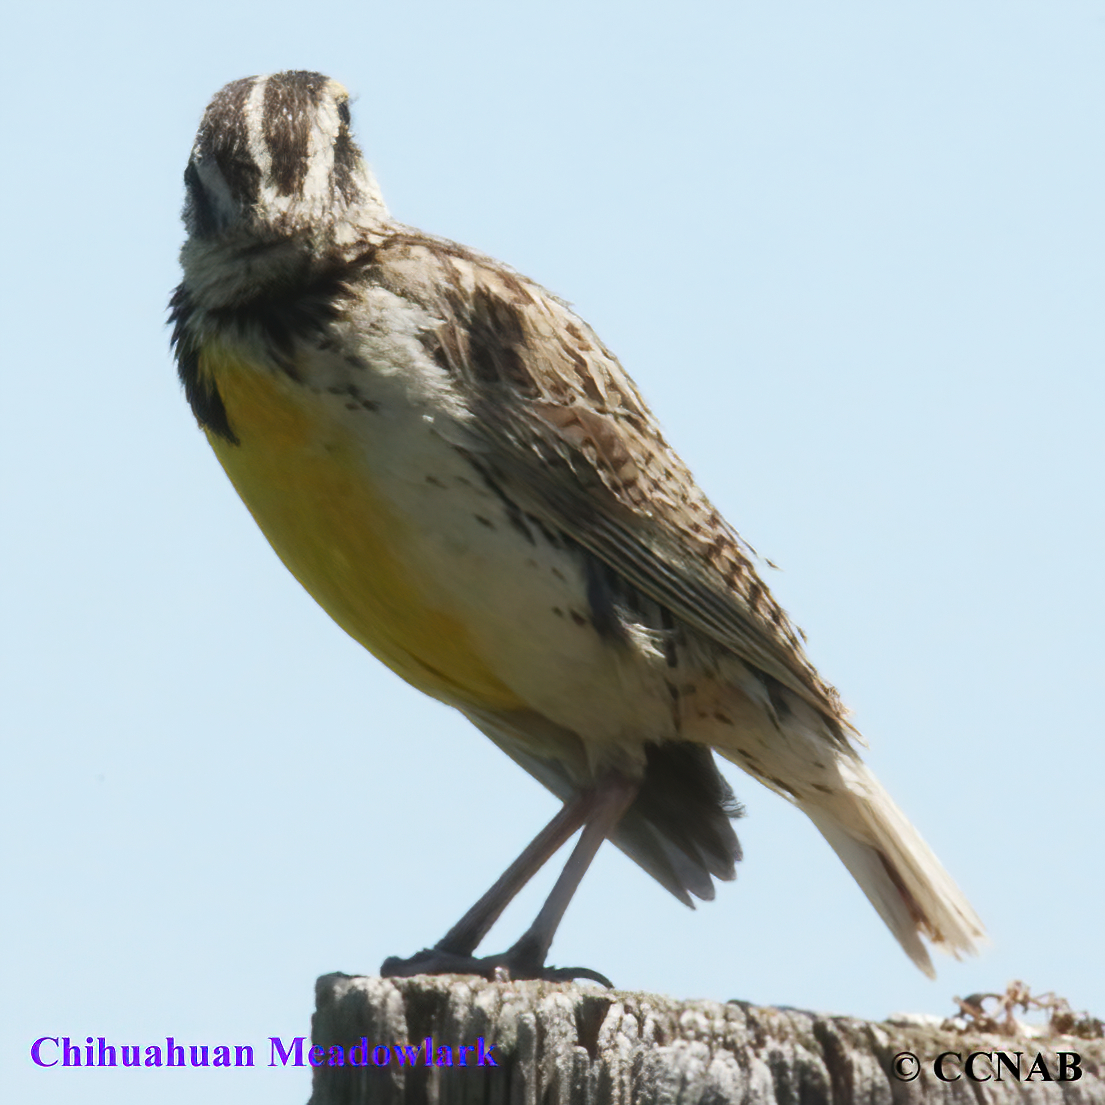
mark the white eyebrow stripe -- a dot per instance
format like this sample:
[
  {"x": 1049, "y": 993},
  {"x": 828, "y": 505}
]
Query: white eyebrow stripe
[
  {"x": 255, "y": 128},
  {"x": 320, "y": 151}
]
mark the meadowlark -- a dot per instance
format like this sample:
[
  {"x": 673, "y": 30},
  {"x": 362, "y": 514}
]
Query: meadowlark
[{"x": 464, "y": 477}]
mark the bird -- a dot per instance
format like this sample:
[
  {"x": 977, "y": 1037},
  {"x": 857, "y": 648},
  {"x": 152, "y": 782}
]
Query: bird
[{"x": 464, "y": 477}]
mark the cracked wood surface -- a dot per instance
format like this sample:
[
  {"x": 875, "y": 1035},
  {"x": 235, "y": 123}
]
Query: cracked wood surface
[{"x": 559, "y": 1044}]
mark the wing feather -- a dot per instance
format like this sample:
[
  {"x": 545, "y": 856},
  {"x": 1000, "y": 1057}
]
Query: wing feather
[{"x": 568, "y": 438}]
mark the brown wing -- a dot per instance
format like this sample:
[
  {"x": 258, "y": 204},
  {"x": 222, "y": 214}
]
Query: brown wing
[{"x": 571, "y": 442}]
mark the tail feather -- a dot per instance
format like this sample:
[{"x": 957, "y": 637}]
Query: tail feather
[{"x": 894, "y": 867}]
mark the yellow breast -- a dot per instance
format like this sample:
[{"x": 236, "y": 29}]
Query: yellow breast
[{"x": 304, "y": 479}]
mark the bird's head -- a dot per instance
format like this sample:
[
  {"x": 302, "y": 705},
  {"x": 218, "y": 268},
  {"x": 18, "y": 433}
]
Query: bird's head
[{"x": 275, "y": 173}]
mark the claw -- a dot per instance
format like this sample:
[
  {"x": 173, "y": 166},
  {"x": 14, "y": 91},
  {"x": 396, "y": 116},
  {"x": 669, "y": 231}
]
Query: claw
[
  {"x": 495, "y": 968},
  {"x": 570, "y": 974}
]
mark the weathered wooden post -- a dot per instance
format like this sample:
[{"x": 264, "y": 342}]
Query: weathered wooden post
[{"x": 449, "y": 1039}]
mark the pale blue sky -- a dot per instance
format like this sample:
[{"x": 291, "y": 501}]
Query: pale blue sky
[{"x": 853, "y": 255}]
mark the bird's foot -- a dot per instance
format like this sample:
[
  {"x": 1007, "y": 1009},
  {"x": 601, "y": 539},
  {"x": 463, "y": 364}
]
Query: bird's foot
[{"x": 508, "y": 966}]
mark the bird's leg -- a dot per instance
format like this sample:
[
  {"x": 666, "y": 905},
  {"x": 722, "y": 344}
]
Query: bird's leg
[
  {"x": 526, "y": 959},
  {"x": 453, "y": 953},
  {"x": 465, "y": 936},
  {"x": 599, "y": 811}
]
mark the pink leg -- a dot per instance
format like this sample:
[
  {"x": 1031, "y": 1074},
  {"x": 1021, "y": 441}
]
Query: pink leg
[{"x": 599, "y": 811}]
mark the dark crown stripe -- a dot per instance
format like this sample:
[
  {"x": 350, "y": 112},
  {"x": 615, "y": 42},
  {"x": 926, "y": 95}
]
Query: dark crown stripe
[
  {"x": 347, "y": 159},
  {"x": 224, "y": 138}
]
